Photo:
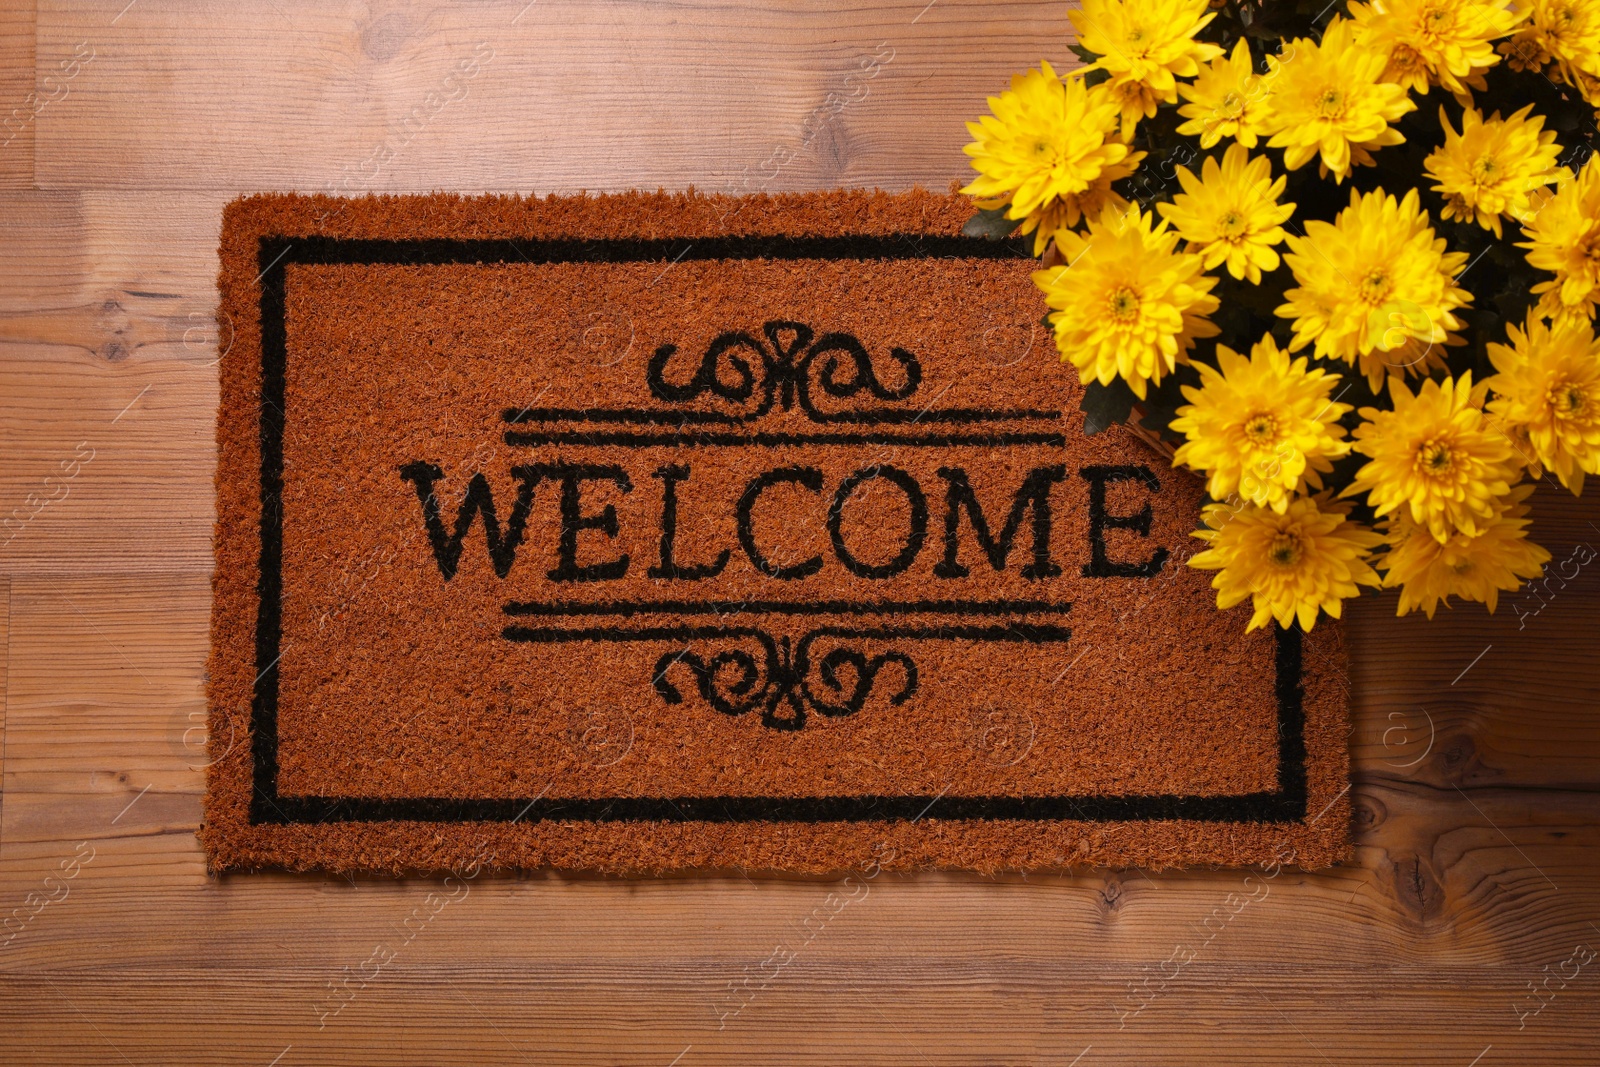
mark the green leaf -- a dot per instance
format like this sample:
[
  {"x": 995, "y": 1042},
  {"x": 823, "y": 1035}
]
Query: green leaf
[
  {"x": 1083, "y": 53},
  {"x": 990, "y": 222},
  {"x": 1103, "y": 405}
]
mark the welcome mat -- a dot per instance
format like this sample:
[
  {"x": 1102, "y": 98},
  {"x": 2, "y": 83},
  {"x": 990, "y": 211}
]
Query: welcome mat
[{"x": 652, "y": 532}]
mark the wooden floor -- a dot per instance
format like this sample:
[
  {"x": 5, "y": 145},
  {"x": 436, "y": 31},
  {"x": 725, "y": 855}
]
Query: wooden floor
[{"x": 1464, "y": 933}]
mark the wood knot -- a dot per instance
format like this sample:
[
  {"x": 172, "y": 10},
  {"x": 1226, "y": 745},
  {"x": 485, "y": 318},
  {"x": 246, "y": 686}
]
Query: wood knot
[
  {"x": 112, "y": 319},
  {"x": 1111, "y": 893},
  {"x": 1458, "y": 759},
  {"x": 831, "y": 149},
  {"x": 384, "y": 37},
  {"x": 1417, "y": 887},
  {"x": 1367, "y": 813}
]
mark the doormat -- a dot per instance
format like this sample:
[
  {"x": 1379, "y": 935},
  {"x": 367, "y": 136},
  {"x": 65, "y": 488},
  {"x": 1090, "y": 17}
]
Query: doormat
[{"x": 655, "y": 532}]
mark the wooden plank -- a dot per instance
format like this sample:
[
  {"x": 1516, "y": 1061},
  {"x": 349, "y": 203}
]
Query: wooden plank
[
  {"x": 67, "y": 249},
  {"x": 1446, "y": 881},
  {"x": 108, "y": 341},
  {"x": 874, "y": 1014},
  {"x": 43, "y": 235},
  {"x": 138, "y": 646},
  {"x": 116, "y": 480},
  {"x": 553, "y": 95},
  {"x": 1473, "y": 699},
  {"x": 5, "y": 670},
  {"x": 20, "y": 103}
]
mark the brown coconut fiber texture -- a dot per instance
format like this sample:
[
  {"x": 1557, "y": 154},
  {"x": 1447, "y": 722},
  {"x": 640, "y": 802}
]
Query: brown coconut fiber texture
[{"x": 726, "y": 618}]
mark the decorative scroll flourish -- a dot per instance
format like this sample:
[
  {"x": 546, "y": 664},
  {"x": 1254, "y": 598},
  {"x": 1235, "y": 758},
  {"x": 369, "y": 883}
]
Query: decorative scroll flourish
[
  {"x": 781, "y": 367},
  {"x": 778, "y": 680}
]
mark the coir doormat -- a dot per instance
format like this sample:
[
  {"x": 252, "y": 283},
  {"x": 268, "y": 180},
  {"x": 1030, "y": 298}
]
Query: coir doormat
[{"x": 655, "y": 532}]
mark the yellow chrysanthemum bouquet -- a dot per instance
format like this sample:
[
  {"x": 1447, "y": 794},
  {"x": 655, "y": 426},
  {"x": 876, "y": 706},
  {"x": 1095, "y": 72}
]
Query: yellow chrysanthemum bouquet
[{"x": 1391, "y": 207}]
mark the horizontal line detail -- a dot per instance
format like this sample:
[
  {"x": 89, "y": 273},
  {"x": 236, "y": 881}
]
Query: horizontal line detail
[
  {"x": 1245, "y": 808},
  {"x": 627, "y": 608},
  {"x": 420, "y": 251},
  {"x": 668, "y": 417},
  {"x": 691, "y": 438},
  {"x": 1019, "y": 632}
]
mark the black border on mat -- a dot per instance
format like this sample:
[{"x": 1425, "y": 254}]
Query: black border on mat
[{"x": 1286, "y": 804}]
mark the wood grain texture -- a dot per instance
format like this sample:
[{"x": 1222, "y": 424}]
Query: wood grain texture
[
  {"x": 108, "y": 345},
  {"x": 5, "y": 673},
  {"x": 564, "y": 95},
  {"x": 1476, "y": 741},
  {"x": 19, "y": 103}
]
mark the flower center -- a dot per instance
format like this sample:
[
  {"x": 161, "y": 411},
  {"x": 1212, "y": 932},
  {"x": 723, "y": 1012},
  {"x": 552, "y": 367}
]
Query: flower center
[
  {"x": 1436, "y": 458},
  {"x": 1331, "y": 103},
  {"x": 1567, "y": 399},
  {"x": 1376, "y": 286},
  {"x": 1232, "y": 104},
  {"x": 1234, "y": 224},
  {"x": 1123, "y": 304},
  {"x": 1406, "y": 58},
  {"x": 1523, "y": 53},
  {"x": 1486, "y": 170},
  {"x": 1261, "y": 429},
  {"x": 1589, "y": 249},
  {"x": 1285, "y": 550}
]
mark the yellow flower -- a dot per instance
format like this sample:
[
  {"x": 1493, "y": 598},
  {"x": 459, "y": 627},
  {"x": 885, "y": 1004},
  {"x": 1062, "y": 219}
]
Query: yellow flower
[
  {"x": 1262, "y": 427},
  {"x": 1522, "y": 52},
  {"x": 1064, "y": 212},
  {"x": 1563, "y": 32},
  {"x": 1049, "y": 151},
  {"x": 1413, "y": 359},
  {"x": 1231, "y": 214},
  {"x": 1136, "y": 100},
  {"x": 1549, "y": 385},
  {"x": 1375, "y": 280},
  {"x": 1588, "y": 86},
  {"x": 1489, "y": 168},
  {"x": 1227, "y": 99},
  {"x": 1126, "y": 302},
  {"x": 1442, "y": 41},
  {"x": 1145, "y": 44},
  {"x": 1564, "y": 238},
  {"x": 1327, "y": 98},
  {"x": 1291, "y": 565},
  {"x": 1552, "y": 310},
  {"x": 1471, "y": 566},
  {"x": 1435, "y": 455},
  {"x": 1521, "y": 446}
]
